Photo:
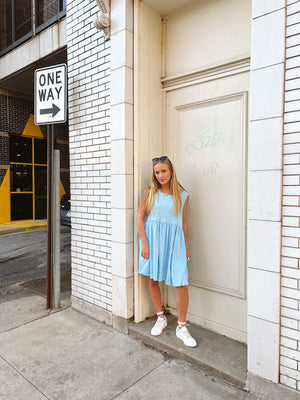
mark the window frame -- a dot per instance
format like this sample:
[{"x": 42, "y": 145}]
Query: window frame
[{"x": 39, "y": 28}]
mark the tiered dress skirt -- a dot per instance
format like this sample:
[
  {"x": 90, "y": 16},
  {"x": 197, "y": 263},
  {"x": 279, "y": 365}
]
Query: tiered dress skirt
[{"x": 167, "y": 259}]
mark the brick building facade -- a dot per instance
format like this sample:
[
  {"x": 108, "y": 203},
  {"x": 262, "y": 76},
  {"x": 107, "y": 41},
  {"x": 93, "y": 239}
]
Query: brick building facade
[{"x": 125, "y": 97}]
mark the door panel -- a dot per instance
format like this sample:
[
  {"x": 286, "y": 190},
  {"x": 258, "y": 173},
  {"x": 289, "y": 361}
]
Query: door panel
[{"x": 206, "y": 138}]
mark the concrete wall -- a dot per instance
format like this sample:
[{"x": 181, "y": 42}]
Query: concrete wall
[
  {"x": 274, "y": 178},
  {"x": 122, "y": 156},
  {"x": 264, "y": 187}
]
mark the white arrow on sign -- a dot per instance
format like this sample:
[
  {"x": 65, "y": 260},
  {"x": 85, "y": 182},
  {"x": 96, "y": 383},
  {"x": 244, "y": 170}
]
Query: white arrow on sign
[{"x": 50, "y": 95}]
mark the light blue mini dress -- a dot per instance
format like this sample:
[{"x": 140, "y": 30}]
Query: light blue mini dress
[{"x": 167, "y": 259}]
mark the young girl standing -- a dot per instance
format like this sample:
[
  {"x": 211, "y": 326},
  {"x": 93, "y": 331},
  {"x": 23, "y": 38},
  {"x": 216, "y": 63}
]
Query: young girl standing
[{"x": 164, "y": 243}]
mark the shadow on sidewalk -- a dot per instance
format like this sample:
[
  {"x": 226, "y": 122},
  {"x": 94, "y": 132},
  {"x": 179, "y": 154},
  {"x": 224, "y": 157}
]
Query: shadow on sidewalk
[{"x": 24, "y": 302}]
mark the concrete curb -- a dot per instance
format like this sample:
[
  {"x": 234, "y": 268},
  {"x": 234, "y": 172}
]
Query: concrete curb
[
  {"x": 35, "y": 228},
  {"x": 212, "y": 363},
  {"x": 6, "y": 231},
  {"x": 17, "y": 229}
]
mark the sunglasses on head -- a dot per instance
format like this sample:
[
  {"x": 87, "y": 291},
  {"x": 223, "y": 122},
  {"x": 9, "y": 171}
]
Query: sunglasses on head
[{"x": 163, "y": 158}]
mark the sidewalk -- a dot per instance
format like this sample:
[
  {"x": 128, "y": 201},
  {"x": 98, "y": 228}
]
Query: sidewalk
[
  {"x": 69, "y": 356},
  {"x": 21, "y": 226}
]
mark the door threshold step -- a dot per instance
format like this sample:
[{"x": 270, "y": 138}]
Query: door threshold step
[{"x": 218, "y": 355}]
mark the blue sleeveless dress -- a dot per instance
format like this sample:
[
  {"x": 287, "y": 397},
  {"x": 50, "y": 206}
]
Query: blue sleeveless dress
[{"x": 167, "y": 259}]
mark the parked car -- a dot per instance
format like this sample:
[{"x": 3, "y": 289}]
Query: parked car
[{"x": 65, "y": 210}]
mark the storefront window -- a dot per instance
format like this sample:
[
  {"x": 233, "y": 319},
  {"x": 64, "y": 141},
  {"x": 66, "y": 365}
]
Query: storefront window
[
  {"x": 28, "y": 177},
  {"x": 20, "y": 178},
  {"x": 20, "y": 149},
  {"x": 21, "y": 206},
  {"x": 40, "y": 151},
  {"x": 40, "y": 191}
]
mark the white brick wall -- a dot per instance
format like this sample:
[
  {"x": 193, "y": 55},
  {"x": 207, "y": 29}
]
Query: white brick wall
[
  {"x": 290, "y": 267},
  {"x": 90, "y": 169}
]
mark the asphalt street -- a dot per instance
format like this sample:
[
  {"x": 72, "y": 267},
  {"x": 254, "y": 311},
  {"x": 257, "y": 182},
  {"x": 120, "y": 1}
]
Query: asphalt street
[{"x": 23, "y": 256}]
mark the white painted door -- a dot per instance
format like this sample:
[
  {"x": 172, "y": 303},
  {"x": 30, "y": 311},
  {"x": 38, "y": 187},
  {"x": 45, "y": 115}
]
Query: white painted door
[{"x": 206, "y": 137}]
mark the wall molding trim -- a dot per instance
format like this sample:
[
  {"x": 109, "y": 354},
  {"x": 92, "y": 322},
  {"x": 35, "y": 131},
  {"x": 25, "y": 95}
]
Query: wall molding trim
[{"x": 206, "y": 74}]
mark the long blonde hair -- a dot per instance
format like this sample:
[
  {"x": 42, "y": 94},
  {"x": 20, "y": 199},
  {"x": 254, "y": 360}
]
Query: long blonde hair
[{"x": 155, "y": 186}]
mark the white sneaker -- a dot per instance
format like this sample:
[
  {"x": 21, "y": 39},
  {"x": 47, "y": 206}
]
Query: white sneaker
[
  {"x": 185, "y": 336},
  {"x": 159, "y": 326}
]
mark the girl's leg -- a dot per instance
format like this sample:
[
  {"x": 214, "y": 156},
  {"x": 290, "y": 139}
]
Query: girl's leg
[
  {"x": 161, "y": 322},
  {"x": 155, "y": 294},
  {"x": 182, "y": 301}
]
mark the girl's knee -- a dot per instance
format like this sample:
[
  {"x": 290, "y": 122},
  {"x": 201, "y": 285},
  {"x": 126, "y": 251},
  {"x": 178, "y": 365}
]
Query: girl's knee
[
  {"x": 153, "y": 283},
  {"x": 184, "y": 288}
]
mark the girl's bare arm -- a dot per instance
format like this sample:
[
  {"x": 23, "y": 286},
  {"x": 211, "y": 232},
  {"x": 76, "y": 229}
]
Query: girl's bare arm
[
  {"x": 140, "y": 225},
  {"x": 186, "y": 228}
]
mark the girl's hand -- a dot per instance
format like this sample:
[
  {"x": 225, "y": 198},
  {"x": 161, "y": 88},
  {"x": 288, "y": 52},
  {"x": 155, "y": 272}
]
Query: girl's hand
[
  {"x": 145, "y": 251},
  {"x": 188, "y": 254}
]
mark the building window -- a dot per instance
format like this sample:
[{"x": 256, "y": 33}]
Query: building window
[
  {"x": 5, "y": 24},
  {"x": 47, "y": 12},
  {"x": 22, "y": 19}
]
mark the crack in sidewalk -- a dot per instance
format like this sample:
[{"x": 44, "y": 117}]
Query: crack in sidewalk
[
  {"x": 24, "y": 377},
  {"x": 138, "y": 380}
]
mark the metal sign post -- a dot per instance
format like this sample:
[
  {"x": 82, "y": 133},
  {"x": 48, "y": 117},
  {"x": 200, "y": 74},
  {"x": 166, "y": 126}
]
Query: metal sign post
[
  {"x": 50, "y": 107},
  {"x": 49, "y": 280}
]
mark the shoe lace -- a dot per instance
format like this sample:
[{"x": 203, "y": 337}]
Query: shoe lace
[
  {"x": 185, "y": 332},
  {"x": 159, "y": 322}
]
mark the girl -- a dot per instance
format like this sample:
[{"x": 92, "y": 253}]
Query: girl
[{"x": 164, "y": 243}]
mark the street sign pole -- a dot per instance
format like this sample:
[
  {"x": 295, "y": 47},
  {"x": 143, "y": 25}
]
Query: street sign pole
[
  {"x": 50, "y": 107},
  {"x": 49, "y": 281}
]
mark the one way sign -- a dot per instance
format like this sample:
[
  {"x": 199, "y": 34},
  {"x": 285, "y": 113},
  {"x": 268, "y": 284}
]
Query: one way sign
[{"x": 50, "y": 95}]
